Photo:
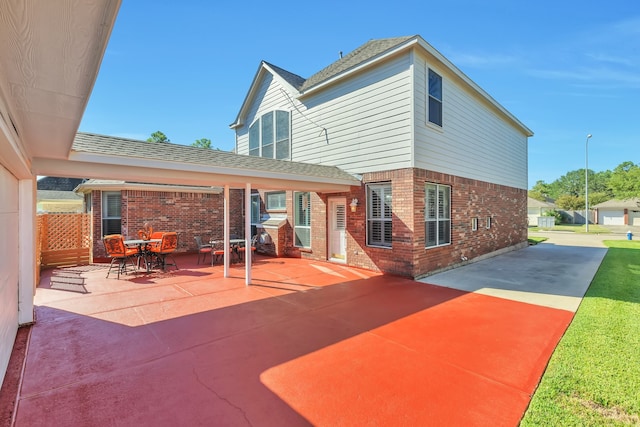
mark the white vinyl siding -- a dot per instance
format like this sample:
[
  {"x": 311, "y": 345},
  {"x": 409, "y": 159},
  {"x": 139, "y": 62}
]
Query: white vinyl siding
[
  {"x": 367, "y": 120},
  {"x": 476, "y": 142},
  {"x": 379, "y": 215},
  {"x": 302, "y": 219},
  {"x": 111, "y": 212}
]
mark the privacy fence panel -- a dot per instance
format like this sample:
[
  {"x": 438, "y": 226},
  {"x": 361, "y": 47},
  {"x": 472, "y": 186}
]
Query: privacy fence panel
[{"x": 64, "y": 239}]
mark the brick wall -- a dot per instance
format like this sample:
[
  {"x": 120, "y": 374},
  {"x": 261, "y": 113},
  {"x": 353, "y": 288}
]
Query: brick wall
[
  {"x": 188, "y": 214},
  {"x": 505, "y": 206}
]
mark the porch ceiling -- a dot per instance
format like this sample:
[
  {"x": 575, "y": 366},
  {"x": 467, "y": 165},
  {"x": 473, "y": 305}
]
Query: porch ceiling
[{"x": 50, "y": 53}]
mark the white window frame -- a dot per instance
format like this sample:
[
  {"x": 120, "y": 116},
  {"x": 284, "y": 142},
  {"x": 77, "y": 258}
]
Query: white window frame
[
  {"x": 106, "y": 195},
  {"x": 255, "y": 208},
  {"x": 439, "y": 217},
  {"x": 380, "y": 214},
  {"x": 434, "y": 98},
  {"x": 270, "y": 198},
  {"x": 270, "y": 144},
  {"x": 474, "y": 224},
  {"x": 301, "y": 218},
  {"x": 488, "y": 223}
]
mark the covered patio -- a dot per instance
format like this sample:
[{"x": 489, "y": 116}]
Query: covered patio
[{"x": 308, "y": 343}]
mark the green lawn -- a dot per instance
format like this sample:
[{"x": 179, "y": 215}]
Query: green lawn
[
  {"x": 593, "y": 377},
  {"x": 576, "y": 228},
  {"x": 533, "y": 240}
]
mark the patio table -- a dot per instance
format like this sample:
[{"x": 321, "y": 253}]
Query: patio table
[
  {"x": 143, "y": 252},
  {"x": 235, "y": 244}
]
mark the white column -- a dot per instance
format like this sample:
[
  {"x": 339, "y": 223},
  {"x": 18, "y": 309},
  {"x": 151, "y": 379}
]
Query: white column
[
  {"x": 227, "y": 243},
  {"x": 247, "y": 234},
  {"x": 26, "y": 250}
]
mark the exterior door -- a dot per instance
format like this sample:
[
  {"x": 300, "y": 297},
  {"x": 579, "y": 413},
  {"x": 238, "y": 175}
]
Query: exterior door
[{"x": 337, "y": 229}]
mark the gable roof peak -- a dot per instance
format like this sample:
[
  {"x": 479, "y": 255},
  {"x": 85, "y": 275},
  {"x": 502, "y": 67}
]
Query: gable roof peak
[{"x": 293, "y": 79}]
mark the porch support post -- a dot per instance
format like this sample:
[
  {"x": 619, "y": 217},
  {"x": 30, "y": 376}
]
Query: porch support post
[
  {"x": 227, "y": 243},
  {"x": 247, "y": 234},
  {"x": 26, "y": 250}
]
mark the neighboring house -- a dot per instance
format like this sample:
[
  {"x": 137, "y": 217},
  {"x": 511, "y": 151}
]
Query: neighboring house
[
  {"x": 443, "y": 166},
  {"x": 618, "y": 212},
  {"x": 50, "y": 201},
  {"x": 120, "y": 207},
  {"x": 537, "y": 208},
  {"x": 56, "y": 195}
]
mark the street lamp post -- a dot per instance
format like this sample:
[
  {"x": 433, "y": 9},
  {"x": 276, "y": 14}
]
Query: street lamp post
[{"x": 586, "y": 183}]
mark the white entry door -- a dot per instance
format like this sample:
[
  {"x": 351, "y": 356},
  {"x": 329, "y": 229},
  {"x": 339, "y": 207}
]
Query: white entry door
[{"x": 337, "y": 234}]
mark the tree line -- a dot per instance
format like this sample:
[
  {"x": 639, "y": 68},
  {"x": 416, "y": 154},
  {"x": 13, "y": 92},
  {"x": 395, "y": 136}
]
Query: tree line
[
  {"x": 568, "y": 191},
  {"x": 161, "y": 137}
]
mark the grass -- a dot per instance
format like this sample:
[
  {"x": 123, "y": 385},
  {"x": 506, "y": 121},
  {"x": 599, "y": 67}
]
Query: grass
[
  {"x": 575, "y": 228},
  {"x": 593, "y": 377},
  {"x": 534, "y": 240}
]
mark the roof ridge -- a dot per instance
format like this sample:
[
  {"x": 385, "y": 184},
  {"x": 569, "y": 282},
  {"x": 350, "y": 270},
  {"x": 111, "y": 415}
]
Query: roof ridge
[{"x": 362, "y": 53}]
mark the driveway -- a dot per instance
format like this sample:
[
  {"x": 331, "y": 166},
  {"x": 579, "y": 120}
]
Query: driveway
[
  {"x": 308, "y": 343},
  {"x": 555, "y": 273}
]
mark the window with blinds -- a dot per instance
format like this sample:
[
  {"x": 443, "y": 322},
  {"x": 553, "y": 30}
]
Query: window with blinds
[
  {"x": 341, "y": 217},
  {"x": 379, "y": 215},
  {"x": 111, "y": 213},
  {"x": 437, "y": 214},
  {"x": 302, "y": 219}
]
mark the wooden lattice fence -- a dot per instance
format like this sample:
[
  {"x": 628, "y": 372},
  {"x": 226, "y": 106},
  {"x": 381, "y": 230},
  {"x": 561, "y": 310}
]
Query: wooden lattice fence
[{"x": 64, "y": 239}]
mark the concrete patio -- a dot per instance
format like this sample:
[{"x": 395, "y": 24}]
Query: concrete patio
[{"x": 308, "y": 343}]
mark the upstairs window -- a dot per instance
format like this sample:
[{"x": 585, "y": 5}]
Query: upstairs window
[
  {"x": 379, "y": 215},
  {"x": 435, "y": 98},
  {"x": 437, "y": 215},
  {"x": 269, "y": 136},
  {"x": 111, "y": 213}
]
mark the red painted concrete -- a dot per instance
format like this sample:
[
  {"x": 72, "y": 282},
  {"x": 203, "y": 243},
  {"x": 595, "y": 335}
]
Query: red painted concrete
[{"x": 308, "y": 343}]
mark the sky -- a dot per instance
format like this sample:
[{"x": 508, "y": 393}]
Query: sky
[{"x": 565, "y": 69}]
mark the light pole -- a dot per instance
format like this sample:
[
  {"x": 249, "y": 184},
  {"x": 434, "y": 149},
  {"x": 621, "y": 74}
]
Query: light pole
[{"x": 586, "y": 183}]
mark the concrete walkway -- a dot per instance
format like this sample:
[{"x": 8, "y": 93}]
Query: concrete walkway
[{"x": 555, "y": 273}]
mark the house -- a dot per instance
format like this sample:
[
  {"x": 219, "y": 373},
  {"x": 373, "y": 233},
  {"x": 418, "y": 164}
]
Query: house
[
  {"x": 56, "y": 195},
  {"x": 121, "y": 207},
  {"x": 442, "y": 165},
  {"x": 537, "y": 208},
  {"x": 618, "y": 212}
]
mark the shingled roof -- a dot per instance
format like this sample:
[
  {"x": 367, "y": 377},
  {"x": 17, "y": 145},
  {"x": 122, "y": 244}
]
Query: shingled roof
[
  {"x": 89, "y": 143},
  {"x": 363, "y": 53}
]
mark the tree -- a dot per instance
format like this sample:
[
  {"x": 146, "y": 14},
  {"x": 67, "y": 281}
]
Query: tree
[
  {"x": 540, "y": 191},
  {"x": 158, "y": 137},
  {"x": 202, "y": 143},
  {"x": 625, "y": 181},
  {"x": 570, "y": 202}
]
